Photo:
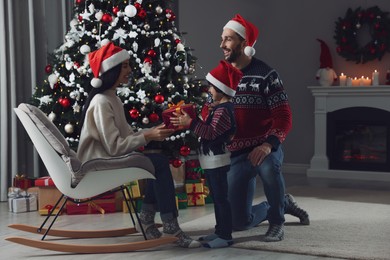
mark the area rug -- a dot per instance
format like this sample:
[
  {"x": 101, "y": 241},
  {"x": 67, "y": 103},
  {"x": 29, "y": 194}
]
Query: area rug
[{"x": 345, "y": 223}]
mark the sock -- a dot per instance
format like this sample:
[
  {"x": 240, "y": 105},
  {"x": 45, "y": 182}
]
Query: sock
[
  {"x": 208, "y": 237},
  {"x": 147, "y": 221},
  {"x": 218, "y": 243},
  {"x": 171, "y": 228}
]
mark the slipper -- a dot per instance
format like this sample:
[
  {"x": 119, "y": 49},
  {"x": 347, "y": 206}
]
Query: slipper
[
  {"x": 208, "y": 237},
  {"x": 218, "y": 243}
]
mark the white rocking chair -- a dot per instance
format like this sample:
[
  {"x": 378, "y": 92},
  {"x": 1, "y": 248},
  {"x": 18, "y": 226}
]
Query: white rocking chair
[{"x": 91, "y": 179}]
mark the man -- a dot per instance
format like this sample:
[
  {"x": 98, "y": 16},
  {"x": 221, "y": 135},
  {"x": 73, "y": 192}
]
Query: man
[{"x": 263, "y": 119}]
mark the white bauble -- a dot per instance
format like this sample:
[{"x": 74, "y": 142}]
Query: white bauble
[
  {"x": 85, "y": 49},
  {"x": 130, "y": 11},
  {"x": 69, "y": 128},
  {"x": 52, "y": 116}
]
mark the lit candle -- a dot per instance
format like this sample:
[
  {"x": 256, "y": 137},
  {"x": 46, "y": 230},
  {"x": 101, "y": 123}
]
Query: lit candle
[
  {"x": 367, "y": 81},
  {"x": 355, "y": 81},
  {"x": 349, "y": 82},
  {"x": 343, "y": 79},
  {"x": 375, "y": 78},
  {"x": 361, "y": 81}
]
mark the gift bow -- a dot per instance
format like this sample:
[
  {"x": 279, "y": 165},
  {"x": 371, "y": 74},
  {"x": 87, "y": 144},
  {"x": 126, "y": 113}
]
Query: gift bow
[
  {"x": 180, "y": 103},
  {"x": 18, "y": 193},
  {"x": 20, "y": 177},
  {"x": 195, "y": 195}
]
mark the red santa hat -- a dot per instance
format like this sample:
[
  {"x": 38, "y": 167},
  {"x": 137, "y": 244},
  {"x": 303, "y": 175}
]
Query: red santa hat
[
  {"x": 225, "y": 77},
  {"x": 246, "y": 30},
  {"x": 325, "y": 57},
  {"x": 104, "y": 59}
]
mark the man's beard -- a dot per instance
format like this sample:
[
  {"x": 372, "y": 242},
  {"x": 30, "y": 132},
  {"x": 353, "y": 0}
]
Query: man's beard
[{"x": 234, "y": 55}]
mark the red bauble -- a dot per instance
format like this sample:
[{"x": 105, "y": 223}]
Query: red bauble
[
  {"x": 79, "y": 1},
  {"x": 134, "y": 113},
  {"x": 172, "y": 17},
  {"x": 185, "y": 150},
  {"x": 177, "y": 163},
  {"x": 48, "y": 69},
  {"x": 64, "y": 102},
  {"x": 148, "y": 60},
  {"x": 115, "y": 10},
  {"x": 106, "y": 18},
  {"x": 152, "y": 53},
  {"x": 137, "y": 5},
  {"x": 168, "y": 11},
  {"x": 80, "y": 18},
  {"x": 177, "y": 41},
  {"x": 159, "y": 99},
  {"x": 142, "y": 14},
  {"x": 153, "y": 117}
]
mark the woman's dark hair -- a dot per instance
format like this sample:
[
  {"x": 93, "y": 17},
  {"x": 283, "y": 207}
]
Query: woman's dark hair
[{"x": 108, "y": 80}]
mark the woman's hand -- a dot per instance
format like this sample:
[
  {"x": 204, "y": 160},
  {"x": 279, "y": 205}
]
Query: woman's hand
[
  {"x": 157, "y": 133},
  {"x": 181, "y": 119},
  {"x": 258, "y": 154}
]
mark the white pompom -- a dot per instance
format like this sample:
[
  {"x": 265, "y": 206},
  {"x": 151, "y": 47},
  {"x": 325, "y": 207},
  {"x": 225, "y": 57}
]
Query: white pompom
[
  {"x": 104, "y": 42},
  {"x": 52, "y": 80},
  {"x": 249, "y": 51},
  {"x": 96, "y": 82}
]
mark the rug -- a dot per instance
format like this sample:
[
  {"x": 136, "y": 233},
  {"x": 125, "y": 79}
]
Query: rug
[{"x": 345, "y": 223}]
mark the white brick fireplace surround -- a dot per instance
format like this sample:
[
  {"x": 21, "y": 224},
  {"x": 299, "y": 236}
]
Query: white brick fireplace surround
[{"x": 329, "y": 99}]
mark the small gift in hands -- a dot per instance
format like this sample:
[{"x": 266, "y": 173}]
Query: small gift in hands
[{"x": 179, "y": 109}]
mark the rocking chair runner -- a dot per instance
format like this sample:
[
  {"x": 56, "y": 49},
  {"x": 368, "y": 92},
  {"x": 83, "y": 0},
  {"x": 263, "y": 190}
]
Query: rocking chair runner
[{"x": 79, "y": 182}]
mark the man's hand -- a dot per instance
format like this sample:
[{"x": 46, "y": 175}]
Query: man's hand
[
  {"x": 258, "y": 154},
  {"x": 158, "y": 133}
]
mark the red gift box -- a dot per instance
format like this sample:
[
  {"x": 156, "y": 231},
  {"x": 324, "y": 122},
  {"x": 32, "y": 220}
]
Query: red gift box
[
  {"x": 91, "y": 207},
  {"x": 168, "y": 113},
  {"x": 44, "y": 181},
  {"x": 22, "y": 182}
]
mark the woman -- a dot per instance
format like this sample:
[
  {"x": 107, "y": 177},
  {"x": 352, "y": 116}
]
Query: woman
[{"x": 105, "y": 133}]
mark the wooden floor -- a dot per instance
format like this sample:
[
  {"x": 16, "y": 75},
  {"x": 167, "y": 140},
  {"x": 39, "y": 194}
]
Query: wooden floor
[{"x": 120, "y": 220}]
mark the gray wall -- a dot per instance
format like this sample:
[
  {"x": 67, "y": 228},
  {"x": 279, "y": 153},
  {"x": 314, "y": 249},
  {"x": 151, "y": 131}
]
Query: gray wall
[{"x": 287, "y": 42}]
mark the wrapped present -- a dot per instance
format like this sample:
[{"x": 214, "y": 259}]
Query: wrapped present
[
  {"x": 182, "y": 200},
  {"x": 44, "y": 181},
  {"x": 23, "y": 182},
  {"x": 134, "y": 188},
  {"x": 48, "y": 195},
  {"x": 190, "y": 109},
  {"x": 195, "y": 193},
  {"x": 193, "y": 170},
  {"x": 45, "y": 210},
  {"x": 138, "y": 205},
  {"x": 91, "y": 207},
  {"x": 207, "y": 197},
  {"x": 20, "y": 201}
]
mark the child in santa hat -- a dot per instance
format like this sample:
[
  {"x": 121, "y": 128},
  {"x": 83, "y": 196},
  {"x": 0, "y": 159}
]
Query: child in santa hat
[
  {"x": 215, "y": 132},
  {"x": 105, "y": 133}
]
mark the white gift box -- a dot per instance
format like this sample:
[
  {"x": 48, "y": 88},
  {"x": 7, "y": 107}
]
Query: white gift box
[{"x": 23, "y": 204}]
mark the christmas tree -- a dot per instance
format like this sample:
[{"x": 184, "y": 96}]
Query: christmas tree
[{"x": 161, "y": 65}]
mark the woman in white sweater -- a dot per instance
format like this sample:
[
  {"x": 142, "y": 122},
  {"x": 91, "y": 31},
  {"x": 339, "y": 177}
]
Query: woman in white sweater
[{"x": 105, "y": 133}]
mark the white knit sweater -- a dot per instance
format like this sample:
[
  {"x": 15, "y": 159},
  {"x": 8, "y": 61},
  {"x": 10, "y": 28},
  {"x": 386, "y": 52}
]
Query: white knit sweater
[{"x": 105, "y": 132}]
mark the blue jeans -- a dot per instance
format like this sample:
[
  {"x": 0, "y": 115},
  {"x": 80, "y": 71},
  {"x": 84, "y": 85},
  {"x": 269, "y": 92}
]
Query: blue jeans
[
  {"x": 217, "y": 181},
  {"x": 160, "y": 193},
  {"x": 242, "y": 184}
]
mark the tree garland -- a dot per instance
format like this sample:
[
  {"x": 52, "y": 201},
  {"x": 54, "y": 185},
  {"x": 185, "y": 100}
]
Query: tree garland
[{"x": 347, "y": 29}]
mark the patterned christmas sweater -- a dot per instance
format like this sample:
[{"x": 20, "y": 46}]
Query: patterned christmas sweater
[{"x": 261, "y": 108}]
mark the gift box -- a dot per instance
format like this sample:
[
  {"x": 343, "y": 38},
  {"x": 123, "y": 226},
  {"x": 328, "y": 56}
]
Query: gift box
[
  {"x": 44, "y": 181},
  {"x": 190, "y": 109},
  {"x": 138, "y": 205},
  {"x": 99, "y": 206},
  {"x": 134, "y": 188},
  {"x": 195, "y": 193},
  {"x": 23, "y": 204},
  {"x": 182, "y": 200},
  {"x": 193, "y": 170},
  {"x": 45, "y": 210},
  {"x": 48, "y": 195},
  {"x": 23, "y": 182}
]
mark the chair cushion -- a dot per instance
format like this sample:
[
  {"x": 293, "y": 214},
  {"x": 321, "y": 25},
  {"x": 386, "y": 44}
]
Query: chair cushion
[{"x": 48, "y": 129}]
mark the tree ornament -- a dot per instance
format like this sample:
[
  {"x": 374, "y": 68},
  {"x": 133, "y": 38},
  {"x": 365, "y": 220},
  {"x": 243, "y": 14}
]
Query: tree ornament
[
  {"x": 85, "y": 49},
  {"x": 130, "y": 11},
  {"x": 146, "y": 26},
  {"x": 152, "y": 53},
  {"x": 115, "y": 10},
  {"x": 170, "y": 86},
  {"x": 347, "y": 29},
  {"x": 185, "y": 150},
  {"x": 64, "y": 102},
  {"x": 52, "y": 80},
  {"x": 177, "y": 163},
  {"x": 48, "y": 69},
  {"x": 134, "y": 113},
  {"x": 79, "y": 2},
  {"x": 69, "y": 129},
  {"x": 178, "y": 68},
  {"x": 107, "y": 18},
  {"x": 154, "y": 117},
  {"x": 52, "y": 116},
  {"x": 145, "y": 120},
  {"x": 148, "y": 60},
  {"x": 99, "y": 15},
  {"x": 159, "y": 99},
  {"x": 159, "y": 10},
  {"x": 141, "y": 14}
]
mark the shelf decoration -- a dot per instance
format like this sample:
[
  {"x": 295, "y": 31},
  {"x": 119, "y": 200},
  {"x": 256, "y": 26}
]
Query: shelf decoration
[{"x": 348, "y": 28}]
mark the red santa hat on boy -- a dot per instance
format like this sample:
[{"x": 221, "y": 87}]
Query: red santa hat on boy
[
  {"x": 246, "y": 30},
  {"x": 225, "y": 77},
  {"x": 104, "y": 59}
]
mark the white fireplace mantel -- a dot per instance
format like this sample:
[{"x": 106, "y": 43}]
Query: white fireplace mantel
[{"x": 329, "y": 99}]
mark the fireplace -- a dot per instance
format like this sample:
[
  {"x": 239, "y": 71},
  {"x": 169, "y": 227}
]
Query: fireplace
[
  {"x": 351, "y": 133},
  {"x": 358, "y": 139}
]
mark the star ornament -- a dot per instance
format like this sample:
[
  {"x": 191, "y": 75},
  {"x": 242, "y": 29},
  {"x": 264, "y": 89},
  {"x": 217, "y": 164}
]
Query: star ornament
[
  {"x": 86, "y": 15},
  {"x": 121, "y": 35}
]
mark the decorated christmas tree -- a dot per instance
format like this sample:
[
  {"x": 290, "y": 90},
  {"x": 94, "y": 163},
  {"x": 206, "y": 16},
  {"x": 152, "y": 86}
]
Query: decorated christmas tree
[{"x": 162, "y": 68}]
